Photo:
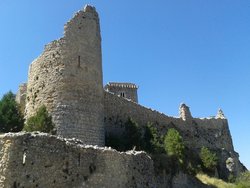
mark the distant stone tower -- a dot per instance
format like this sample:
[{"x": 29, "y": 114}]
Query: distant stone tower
[
  {"x": 67, "y": 79},
  {"x": 126, "y": 90},
  {"x": 185, "y": 113},
  {"x": 21, "y": 96}
]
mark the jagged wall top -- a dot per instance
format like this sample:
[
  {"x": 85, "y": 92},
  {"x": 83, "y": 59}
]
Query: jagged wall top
[
  {"x": 125, "y": 90},
  {"x": 122, "y": 85},
  {"x": 220, "y": 114},
  {"x": 74, "y": 24}
]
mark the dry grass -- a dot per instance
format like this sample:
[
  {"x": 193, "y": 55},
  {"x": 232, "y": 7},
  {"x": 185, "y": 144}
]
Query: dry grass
[{"x": 214, "y": 181}]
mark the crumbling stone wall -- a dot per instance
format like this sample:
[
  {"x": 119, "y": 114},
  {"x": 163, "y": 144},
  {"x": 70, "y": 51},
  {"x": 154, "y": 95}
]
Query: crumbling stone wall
[
  {"x": 67, "y": 79},
  {"x": 213, "y": 133},
  {"x": 40, "y": 160}
]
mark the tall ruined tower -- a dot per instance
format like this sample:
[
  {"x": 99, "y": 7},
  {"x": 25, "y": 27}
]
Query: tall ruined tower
[{"x": 67, "y": 79}]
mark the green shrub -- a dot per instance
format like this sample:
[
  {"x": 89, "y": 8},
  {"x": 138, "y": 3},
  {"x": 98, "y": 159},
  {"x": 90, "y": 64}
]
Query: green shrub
[
  {"x": 41, "y": 121},
  {"x": 231, "y": 178},
  {"x": 173, "y": 144},
  {"x": 208, "y": 158},
  {"x": 11, "y": 119},
  {"x": 134, "y": 136},
  {"x": 244, "y": 180},
  {"x": 153, "y": 143}
]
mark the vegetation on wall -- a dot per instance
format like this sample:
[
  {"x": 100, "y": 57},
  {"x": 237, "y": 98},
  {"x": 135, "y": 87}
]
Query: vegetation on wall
[
  {"x": 167, "y": 150},
  {"x": 11, "y": 118},
  {"x": 174, "y": 145},
  {"x": 244, "y": 180},
  {"x": 209, "y": 159},
  {"x": 136, "y": 137},
  {"x": 132, "y": 136},
  {"x": 41, "y": 121},
  {"x": 153, "y": 142}
]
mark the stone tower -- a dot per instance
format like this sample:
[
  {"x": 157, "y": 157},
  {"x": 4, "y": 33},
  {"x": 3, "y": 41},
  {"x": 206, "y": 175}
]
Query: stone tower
[
  {"x": 185, "y": 113},
  {"x": 126, "y": 90},
  {"x": 21, "y": 96},
  {"x": 67, "y": 79}
]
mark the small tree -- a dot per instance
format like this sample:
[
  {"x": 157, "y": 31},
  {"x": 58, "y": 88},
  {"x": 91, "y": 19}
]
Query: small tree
[
  {"x": 208, "y": 158},
  {"x": 173, "y": 144},
  {"x": 11, "y": 119},
  {"x": 153, "y": 142},
  {"x": 132, "y": 135},
  {"x": 41, "y": 121}
]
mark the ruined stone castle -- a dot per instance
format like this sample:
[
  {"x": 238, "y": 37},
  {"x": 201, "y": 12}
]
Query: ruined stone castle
[{"x": 67, "y": 78}]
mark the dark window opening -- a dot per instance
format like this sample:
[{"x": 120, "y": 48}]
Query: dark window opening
[
  {"x": 122, "y": 94},
  {"x": 79, "y": 61}
]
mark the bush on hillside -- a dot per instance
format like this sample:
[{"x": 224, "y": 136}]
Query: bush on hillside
[
  {"x": 244, "y": 180},
  {"x": 41, "y": 121},
  {"x": 11, "y": 119}
]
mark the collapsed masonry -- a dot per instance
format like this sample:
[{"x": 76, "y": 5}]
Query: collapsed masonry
[
  {"x": 67, "y": 78},
  {"x": 63, "y": 163},
  {"x": 40, "y": 160}
]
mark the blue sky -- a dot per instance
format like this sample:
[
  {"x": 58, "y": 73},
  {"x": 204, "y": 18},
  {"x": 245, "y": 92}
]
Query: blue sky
[{"x": 195, "y": 51}]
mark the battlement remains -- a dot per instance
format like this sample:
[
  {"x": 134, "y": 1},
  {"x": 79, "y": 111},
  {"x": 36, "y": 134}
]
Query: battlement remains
[
  {"x": 21, "y": 96},
  {"x": 220, "y": 114},
  {"x": 122, "y": 85},
  {"x": 185, "y": 113}
]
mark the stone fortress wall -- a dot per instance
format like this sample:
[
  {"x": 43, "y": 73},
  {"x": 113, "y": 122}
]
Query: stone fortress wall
[
  {"x": 40, "y": 160},
  {"x": 67, "y": 79},
  {"x": 213, "y": 132}
]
